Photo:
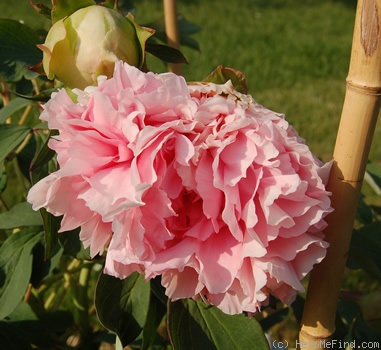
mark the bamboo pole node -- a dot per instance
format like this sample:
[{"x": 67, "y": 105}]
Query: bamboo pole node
[
  {"x": 314, "y": 338},
  {"x": 364, "y": 89}
]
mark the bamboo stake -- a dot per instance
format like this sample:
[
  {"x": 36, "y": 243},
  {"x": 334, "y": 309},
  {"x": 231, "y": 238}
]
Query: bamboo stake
[
  {"x": 355, "y": 133},
  {"x": 172, "y": 31}
]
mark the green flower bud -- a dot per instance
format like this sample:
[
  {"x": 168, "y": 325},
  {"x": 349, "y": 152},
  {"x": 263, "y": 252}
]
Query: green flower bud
[{"x": 86, "y": 44}]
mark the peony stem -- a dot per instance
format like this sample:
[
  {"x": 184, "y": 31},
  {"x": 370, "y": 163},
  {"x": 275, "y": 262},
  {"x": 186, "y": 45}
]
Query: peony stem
[
  {"x": 354, "y": 137},
  {"x": 172, "y": 31}
]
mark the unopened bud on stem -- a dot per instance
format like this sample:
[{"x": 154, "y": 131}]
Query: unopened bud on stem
[{"x": 86, "y": 44}]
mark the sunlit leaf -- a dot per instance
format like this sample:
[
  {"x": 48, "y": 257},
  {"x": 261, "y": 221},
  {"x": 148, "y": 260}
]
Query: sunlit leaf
[
  {"x": 194, "y": 326},
  {"x": 222, "y": 74}
]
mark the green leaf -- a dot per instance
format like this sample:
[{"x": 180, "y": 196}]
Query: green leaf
[
  {"x": 10, "y": 137},
  {"x": 365, "y": 249},
  {"x": 365, "y": 333},
  {"x": 375, "y": 169},
  {"x": 165, "y": 53},
  {"x": 190, "y": 42},
  {"x": 44, "y": 154},
  {"x": 18, "y": 50},
  {"x": 43, "y": 96},
  {"x": 64, "y": 8},
  {"x": 51, "y": 227},
  {"x": 73, "y": 246},
  {"x": 10, "y": 337},
  {"x": 12, "y": 107},
  {"x": 298, "y": 307},
  {"x": 38, "y": 330},
  {"x": 16, "y": 260},
  {"x": 373, "y": 177},
  {"x": 347, "y": 310},
  {"x": 20, "y": 215},
  {"x": 274, "y": 318},
  {"x": 142, "y": 34},
  {"x": 42, "y": 9},
  {"x": 39, "y": 164},
  {"x": 70, "y": 242},
  {"x": 222, "y": 74},
  {"x": 84, "y": 253},
  {"x": 159, "y": 290},
  {"x": 26, "y": 155},
  {"x": 43, "y": 267},
  {"x": 122, "y": 305},
  {"x": 364, "y": 212},
  {"x": 112, "y": 4},
  {"x": 126, "y": 6},
  {"x": 370, "y": 309},
  {"x": 193, "y": 325},
  {"x": 186, "y": 29},
  {"x": 156, "y": 312},
  {"x": 3, "y": 178}
]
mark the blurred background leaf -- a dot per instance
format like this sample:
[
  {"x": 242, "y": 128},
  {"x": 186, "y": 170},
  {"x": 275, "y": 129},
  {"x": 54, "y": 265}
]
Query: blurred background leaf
[{"x": 18, "y": 50}]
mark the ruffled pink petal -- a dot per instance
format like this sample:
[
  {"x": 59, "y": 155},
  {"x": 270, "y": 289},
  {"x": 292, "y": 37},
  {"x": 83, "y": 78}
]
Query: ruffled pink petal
[
  {"x": 96, "y": 234},
  {"x": 110, "y": 192},
  {"x": 220, "y": 258},
  {"x": 181, "y": 284}
]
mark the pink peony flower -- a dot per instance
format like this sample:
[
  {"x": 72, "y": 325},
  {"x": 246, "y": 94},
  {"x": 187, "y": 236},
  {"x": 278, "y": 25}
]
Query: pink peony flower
[{"x": 196, "y": 183}]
